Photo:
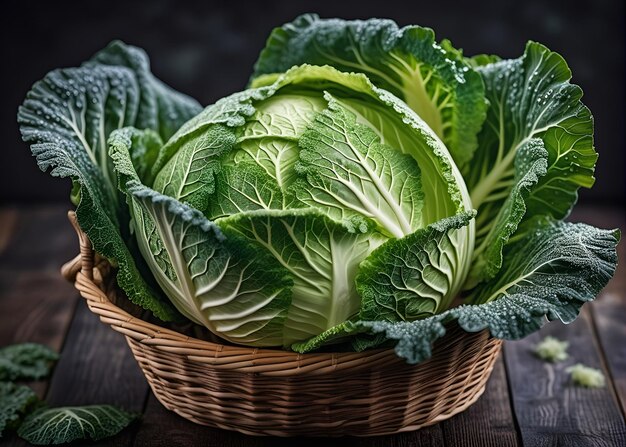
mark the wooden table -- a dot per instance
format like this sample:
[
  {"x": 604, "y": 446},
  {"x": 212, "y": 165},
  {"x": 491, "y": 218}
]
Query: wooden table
[{"x": 527, "y": 402}]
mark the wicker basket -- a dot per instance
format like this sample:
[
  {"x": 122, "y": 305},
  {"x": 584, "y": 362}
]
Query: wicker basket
[{"x": 280, "y": 393}]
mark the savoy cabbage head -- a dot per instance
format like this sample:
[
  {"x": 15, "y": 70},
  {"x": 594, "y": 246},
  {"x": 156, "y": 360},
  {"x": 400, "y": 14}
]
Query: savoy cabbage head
[{"x": 368, "y": 177}]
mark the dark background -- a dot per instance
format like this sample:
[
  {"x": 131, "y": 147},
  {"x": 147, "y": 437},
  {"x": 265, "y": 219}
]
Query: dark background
[{"x": 207, "y": 49}]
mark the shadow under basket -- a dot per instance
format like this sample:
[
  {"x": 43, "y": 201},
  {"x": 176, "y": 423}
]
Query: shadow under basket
[{"x": 280, "y": 393}]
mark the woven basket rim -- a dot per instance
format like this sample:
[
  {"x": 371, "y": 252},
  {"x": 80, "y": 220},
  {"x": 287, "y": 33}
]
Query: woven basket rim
[{"x": 81, "y": 270}]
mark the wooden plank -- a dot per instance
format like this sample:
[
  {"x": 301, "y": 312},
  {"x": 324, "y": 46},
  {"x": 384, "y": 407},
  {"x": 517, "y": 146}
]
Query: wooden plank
[
  {"x": 97, "y": 367},
  {"x": 428, "y": 436},
  {"x": 163, "y": 428},
  {"x": 609, "y": 315},
  {"x": 549, "y": 409},
  {"x": 8, "y": 219},
  {"x": 36, "y": 303},
  {"x": 35, "y": 307},
  {"x": 490, "y": 421}
]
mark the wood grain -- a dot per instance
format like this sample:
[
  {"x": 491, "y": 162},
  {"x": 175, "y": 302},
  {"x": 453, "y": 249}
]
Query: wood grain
[
  {"x": 97, "y": 367},
  {"x": 550, "y": 410},
  {"x": 609, "y": 318},
  {"x": 36, "y": 303}
]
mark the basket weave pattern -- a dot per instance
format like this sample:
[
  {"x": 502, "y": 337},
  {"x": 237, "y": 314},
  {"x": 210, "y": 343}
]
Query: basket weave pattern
[{"x": 280, "y": 393}]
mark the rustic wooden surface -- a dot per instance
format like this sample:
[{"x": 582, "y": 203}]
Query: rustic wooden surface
[{"x": 527, "y": 402}]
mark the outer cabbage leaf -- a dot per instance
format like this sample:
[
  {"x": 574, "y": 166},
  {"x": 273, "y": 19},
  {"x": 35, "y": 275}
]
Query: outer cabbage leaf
[
  {"x": 162, "y": 108},
  {"x": 551, "y": 272},
  {"x": 67, "y": 117},
  {"x": 531, "y": 162},
  {"x": 66, "y": 424},
  {"x": 322, "y": 257},
  {"x": 433, "y": 80},
  {"x": 219, "y": 281},
  {"x": 563, "y": 262},
  {"x": 531, "y": 99},
  {"x": 415, "y": 276},
  {"x": 214, "y": 278}
]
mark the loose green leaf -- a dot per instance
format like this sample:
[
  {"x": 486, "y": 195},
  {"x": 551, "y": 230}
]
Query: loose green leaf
[
  {"x": 66, "y": 424},
  {"x": 412, "y": 277},
  {"x": 67, "y": 118},
  {"x": 26, "y": 361},
  {"x": 552, "y": 349},
  {"x": 586, "y": 376},
  {"x": 15, "y": 400},
  {"x": 531, "y": 99},
  {"x": 434, "y": 80}
]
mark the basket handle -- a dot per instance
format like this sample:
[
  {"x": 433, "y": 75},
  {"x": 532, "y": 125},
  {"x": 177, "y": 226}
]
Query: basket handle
[{"x": 84, "y": 261}]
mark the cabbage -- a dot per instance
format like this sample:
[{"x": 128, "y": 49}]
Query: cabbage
[{"x": 368, "y": 177}]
